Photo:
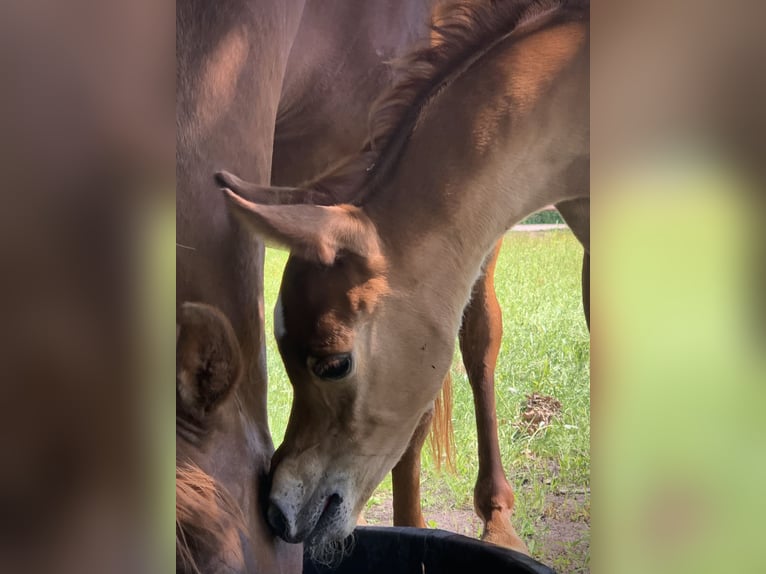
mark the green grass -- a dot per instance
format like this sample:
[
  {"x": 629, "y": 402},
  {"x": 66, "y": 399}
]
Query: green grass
[
  {"x": 546, "y": 216},
  {"x": 545, "y": 348}
]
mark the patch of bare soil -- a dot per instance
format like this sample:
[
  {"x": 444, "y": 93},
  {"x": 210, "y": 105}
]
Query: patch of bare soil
[
  {"x": 562, "y": 539},
  {"x": 564, "y": 533}
]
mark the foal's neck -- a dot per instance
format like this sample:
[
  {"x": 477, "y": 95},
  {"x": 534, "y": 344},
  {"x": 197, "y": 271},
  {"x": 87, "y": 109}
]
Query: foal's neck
[{"x": 504, "y": 139}]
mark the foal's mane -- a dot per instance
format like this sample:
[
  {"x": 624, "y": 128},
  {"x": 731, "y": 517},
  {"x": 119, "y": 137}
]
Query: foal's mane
[
  {"x": 205, "y": 513},
  {"x": 466, "y": 32}
]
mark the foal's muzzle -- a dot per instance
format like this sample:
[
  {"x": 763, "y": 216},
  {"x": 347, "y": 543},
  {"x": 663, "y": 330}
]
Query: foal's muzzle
[{"x": 303, "y": 524}]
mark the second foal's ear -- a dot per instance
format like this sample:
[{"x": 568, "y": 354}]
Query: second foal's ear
[
  {"x": 208, "y": 359},
  {"x": 313, "y": 232}
]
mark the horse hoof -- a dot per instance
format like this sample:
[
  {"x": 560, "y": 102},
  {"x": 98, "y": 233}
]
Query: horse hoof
[{"x": 505, "y": 538}]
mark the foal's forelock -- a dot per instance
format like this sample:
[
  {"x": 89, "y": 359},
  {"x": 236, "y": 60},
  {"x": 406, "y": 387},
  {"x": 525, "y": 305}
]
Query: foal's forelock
[{"x": 206, "y": 515}]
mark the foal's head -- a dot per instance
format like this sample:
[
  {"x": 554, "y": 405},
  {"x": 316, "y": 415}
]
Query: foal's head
[
  {"x": 344, "y": 326},
  {"x": 208, "y": 519}
]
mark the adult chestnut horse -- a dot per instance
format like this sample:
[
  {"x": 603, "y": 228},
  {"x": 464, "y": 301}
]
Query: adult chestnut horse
[
  {"x": 489, "y": 125},
  {"x": 231, "y": 57}
]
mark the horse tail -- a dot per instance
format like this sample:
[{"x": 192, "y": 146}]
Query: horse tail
[{"x": 442, "y": 431}]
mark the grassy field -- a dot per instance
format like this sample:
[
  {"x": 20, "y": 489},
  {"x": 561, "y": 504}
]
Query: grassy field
[
  {"x": 545, "y": 349},
  {"x": 546, "y": 216}
]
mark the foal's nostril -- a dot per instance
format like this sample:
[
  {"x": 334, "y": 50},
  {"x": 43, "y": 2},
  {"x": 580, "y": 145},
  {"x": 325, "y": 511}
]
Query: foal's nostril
[
  {"x": 277, "y": 520},
  {"x": 333, "y": 502}
]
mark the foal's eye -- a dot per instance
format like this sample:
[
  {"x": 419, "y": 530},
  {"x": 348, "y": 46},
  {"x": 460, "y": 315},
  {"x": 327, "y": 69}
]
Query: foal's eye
[{"x": 331, "y": 368}]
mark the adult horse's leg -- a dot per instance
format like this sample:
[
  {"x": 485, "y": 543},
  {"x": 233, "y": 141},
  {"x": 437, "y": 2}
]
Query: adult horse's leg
[
  {"x": 405, "y": 478},
  {"x": 576, "y": 212},
  {"x": 480, "y": 336}
]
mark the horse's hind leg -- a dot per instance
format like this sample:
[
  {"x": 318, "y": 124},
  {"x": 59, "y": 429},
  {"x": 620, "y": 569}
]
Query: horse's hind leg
[
  {"x": 405, "y": 478},
  {"x": 480, "y": 336},
  {"x": 576, "y": 212}
]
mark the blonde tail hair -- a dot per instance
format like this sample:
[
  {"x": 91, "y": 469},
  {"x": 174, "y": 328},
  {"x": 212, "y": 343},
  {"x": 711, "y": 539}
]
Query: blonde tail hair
[{"x": 442, "y": 431}]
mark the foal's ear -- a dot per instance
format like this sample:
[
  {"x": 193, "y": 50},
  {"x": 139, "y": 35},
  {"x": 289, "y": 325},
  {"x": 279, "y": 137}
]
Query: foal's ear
[
  {"x": 208, "y": 360},
  {"x": 266, "y": 195},
  {"x": 312, "y": 232}
]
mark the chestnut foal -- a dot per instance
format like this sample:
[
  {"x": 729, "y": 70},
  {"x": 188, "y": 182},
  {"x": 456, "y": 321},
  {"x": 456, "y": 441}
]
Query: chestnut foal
[{"x": 488, "y": 126}]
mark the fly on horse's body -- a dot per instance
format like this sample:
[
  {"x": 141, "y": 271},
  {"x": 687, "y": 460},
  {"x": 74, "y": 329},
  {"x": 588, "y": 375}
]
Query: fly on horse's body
[{"x": 489, "y": 125}]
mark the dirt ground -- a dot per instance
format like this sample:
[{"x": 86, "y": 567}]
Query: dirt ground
[{"x": 563, "y": 530}]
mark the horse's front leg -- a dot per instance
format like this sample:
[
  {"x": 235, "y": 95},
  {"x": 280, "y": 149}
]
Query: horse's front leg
[
  {"x": 480, "y": 336},
  {"x": 576, "y": 213},
  {"x": 405, "y": 478}
]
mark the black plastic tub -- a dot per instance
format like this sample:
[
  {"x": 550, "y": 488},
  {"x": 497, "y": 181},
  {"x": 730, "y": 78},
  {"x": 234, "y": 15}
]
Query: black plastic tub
[{"x": 396, "y": 550}]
